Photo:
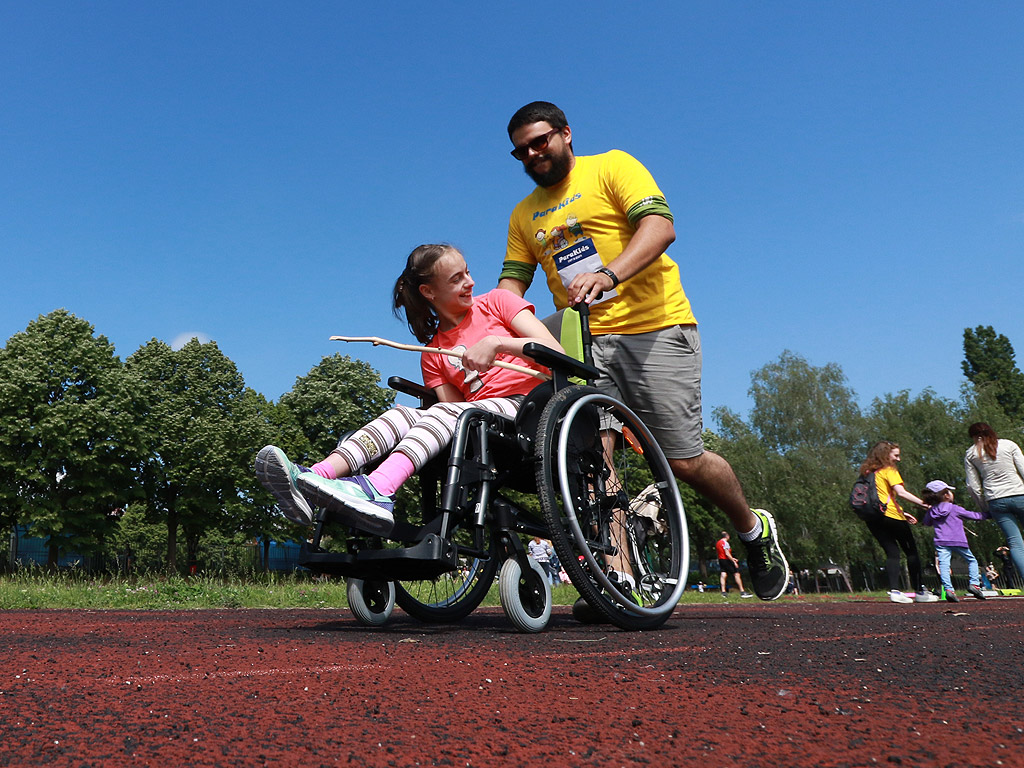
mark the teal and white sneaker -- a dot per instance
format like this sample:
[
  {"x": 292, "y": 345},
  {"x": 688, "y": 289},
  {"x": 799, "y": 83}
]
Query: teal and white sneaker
[
  {"x": 278, "y": 474},
  {"x": 353, "y": 499},
  {"x": 769, "y": 570}
]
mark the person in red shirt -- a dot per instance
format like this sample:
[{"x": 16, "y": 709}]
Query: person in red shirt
[{"x": 727, "y": 564}]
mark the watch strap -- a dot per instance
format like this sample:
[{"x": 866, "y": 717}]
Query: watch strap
[{"x": 612, "y": 275}]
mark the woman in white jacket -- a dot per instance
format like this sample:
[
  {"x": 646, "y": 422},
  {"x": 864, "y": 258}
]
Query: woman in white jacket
[{"x": 995, "y": 477}]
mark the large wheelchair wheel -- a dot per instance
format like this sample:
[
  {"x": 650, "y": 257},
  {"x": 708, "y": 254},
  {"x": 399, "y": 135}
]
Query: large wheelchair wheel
[
  {"x": 451, "y": 596},
  {"x": 613, "y": 508}
]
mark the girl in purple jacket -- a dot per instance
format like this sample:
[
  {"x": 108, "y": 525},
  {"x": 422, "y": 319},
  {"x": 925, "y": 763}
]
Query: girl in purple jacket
[{"x": 947, "y": 519}]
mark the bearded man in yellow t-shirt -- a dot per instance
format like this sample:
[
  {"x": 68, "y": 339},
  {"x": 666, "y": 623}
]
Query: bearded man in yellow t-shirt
[{"x": 599, "y": 226}]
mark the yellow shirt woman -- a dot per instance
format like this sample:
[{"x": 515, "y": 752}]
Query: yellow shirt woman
[{"x": 886, "y": 479}]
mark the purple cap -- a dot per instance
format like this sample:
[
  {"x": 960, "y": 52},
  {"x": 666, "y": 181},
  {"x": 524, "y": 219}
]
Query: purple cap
[{"x": 937, "y": 486}]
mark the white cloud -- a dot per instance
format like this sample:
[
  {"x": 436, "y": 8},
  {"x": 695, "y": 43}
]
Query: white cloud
[{"x": 184, "y": 338}]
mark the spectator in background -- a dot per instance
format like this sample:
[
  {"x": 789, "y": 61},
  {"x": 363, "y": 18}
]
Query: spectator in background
[
  {"x": 947, "y": 519},
  {"x": 728, "y": 565},
  {"x": 892, "y": 530},
  {"x": 793, "y": 588},
  {"x": 989, "y": 576},
  {"x": 995, "y": 477},
  {"x": 1009, "y": 579},
  {"x": 541, "y": 551}
]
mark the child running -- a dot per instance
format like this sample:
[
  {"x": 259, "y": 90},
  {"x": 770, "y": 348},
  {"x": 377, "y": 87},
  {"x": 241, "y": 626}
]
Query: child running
[
  {"x": 435, "y": 291},
  {"x": 947, "y": 519}
]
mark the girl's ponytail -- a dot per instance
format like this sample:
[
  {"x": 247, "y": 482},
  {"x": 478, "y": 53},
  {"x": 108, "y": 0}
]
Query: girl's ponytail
[{"x": 419, "y": 269}]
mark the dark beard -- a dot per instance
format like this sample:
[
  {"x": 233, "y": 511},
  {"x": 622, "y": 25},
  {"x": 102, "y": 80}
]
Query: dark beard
[{"x": 560, "y": 166}]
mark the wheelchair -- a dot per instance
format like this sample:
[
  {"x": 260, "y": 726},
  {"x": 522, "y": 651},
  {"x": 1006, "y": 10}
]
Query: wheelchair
[{"x": 607, "y": 501}]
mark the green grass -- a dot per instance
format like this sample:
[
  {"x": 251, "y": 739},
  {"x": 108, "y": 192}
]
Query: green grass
[
  {"x": 69, "y": 590},
  {"x": 21, "y": 591}
]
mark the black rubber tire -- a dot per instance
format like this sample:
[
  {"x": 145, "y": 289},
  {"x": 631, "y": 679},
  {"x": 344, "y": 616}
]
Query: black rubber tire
[
  {"x": 586, "y": 509},
  {"x": 451, "y": 596}
]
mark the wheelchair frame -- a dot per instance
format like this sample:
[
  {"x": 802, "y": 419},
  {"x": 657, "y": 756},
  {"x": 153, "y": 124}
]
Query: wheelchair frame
[{"x": 442, "y": 568}]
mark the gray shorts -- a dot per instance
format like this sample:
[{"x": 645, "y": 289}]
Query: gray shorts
[{"x": 657, "y": 374}]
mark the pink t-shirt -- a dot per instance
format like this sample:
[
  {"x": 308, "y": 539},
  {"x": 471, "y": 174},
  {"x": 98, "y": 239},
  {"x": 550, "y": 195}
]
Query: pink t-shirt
[{"x": 490, "y": 315}]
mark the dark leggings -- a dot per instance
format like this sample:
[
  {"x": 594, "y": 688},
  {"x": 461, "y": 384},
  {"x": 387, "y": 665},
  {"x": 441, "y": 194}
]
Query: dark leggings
[{"x": 895, "y": 535}]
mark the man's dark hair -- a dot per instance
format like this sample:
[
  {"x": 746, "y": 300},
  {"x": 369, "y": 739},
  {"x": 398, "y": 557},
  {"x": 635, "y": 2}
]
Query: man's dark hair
[{"x": 536, "y": 112}]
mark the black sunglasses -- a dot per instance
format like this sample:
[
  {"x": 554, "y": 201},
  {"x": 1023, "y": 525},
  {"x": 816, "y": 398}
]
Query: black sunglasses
[{"x": 537, "y": 144}]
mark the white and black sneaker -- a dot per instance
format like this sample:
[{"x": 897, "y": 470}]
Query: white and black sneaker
[
  {"x": 769, "y": 571},
  {"x": 277, "y": 474}
]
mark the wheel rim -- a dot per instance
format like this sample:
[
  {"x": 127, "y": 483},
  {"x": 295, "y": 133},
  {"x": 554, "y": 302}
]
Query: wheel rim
[
  {"x": 377, "y": 595},
  {"x": 663, "y": 603},
  {"x": 447, "y": 590},
  {"x": 453, "y": 595},
  {"x": 532, "y": 594}
]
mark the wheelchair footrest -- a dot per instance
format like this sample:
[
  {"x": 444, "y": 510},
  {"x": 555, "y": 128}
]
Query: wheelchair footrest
[{"x": 426, "y": 559}]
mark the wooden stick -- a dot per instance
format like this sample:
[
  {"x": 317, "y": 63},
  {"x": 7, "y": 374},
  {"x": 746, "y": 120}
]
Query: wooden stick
[{"x": 377, "y": 340}]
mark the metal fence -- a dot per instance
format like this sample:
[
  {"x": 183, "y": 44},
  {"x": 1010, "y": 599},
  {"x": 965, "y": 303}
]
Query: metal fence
[{"x": 26, "y": 551}]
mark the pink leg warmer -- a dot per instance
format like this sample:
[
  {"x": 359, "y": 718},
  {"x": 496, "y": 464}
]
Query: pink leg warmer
[
  {"x": 324, "y": 469},
  {"x": 393, "y": 471}
]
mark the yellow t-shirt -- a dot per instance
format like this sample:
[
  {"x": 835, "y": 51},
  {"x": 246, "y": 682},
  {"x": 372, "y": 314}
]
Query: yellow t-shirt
[
  {"x": 586, "y": 221},
  {"x": 885, "y": 479}
]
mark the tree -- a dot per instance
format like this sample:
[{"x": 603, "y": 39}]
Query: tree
[
  {"x": 989, "y": 361},
  {"x": 796, "y": 455},
  {"x": 69, "y": 439},
  {"x": 138, "y": 543},
  {"x": 200, "y": 443},
  {"x": 266, "y": 423},
  {"x": 797, "y": 404},
  {"x": 338, "y": 395}
]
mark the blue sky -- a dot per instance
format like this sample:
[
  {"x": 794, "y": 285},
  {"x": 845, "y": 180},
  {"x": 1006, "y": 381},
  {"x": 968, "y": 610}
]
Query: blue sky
[{"x": 846, "y": 177}]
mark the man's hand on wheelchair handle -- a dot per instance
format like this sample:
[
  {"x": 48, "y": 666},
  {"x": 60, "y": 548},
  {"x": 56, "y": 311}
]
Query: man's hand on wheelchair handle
[{"x": 588, "y": 287}]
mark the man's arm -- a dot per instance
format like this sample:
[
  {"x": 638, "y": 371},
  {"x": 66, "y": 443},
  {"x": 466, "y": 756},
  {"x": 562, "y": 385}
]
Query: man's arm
[
  {"x": 518, "y": 287},
  {"x": 654, "y": 234}
]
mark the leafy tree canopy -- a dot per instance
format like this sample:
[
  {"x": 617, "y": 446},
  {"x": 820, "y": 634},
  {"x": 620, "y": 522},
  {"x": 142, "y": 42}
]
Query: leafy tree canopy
[
  {"x": 200, "y": 443},
  {"x": 989, "y": 361},
  {"x": 797, "y": 404},
  {"x": 69, "y": 440},
  {"x": 339, "y": 394}
]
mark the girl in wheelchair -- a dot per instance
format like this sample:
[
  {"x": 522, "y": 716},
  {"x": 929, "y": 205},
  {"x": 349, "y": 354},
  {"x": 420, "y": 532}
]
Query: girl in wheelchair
[{"x": 435, "y": 291}]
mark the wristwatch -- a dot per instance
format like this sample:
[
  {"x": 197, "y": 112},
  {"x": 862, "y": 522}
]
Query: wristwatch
[{"x": 612, "y": 275}]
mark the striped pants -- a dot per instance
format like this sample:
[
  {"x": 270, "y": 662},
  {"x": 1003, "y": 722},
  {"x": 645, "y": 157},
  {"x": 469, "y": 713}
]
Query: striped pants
[{"x": 419, "y": 434}]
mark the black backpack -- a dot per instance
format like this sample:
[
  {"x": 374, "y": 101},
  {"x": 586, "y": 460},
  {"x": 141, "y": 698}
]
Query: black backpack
[{"x": 864, "y": 498}]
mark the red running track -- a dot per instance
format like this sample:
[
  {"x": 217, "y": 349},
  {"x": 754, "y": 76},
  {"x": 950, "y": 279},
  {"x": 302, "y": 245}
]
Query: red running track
[{"x": 791, "y": 683}]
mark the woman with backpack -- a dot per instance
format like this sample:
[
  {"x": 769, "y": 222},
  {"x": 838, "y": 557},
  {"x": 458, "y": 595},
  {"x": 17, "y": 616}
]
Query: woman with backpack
[
  {"x": 892, "y": 529},
  {"x": 995, "y": 477}
]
